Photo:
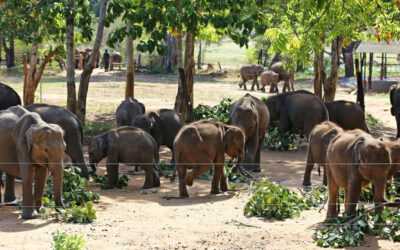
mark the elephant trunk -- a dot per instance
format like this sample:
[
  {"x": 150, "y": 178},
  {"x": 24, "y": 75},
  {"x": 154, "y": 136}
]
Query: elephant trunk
[{"x": 57, "y": 171}]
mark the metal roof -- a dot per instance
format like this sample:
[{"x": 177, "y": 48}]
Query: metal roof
[{"x": 379, "y": 47}]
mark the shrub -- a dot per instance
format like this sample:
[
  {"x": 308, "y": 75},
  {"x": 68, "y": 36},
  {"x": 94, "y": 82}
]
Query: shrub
[
  {"x": 102, "y": 180},
  {"x": 276, "y": 140},
  {"x": 80, "y": 214},
  {"x": 63, "y": 241},
  {"x": 219, "y": 112},
  {"x": 372, "y": 122},
  {"x": 274, "y": 201}
]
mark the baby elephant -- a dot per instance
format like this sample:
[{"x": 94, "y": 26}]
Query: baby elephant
[
  {"x": 250, "y": 72},
  {"x": 128, "y": 110},
  {"x": 203, "y": 144},
  {"x": 271, "y": 78},
  {"x": 129, "y": 145},
  {"x": 320, "y": 137},
  {"x": 354, "y": 159}
]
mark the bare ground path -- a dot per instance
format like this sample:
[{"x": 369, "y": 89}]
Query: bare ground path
[{"x": 130, "y": 219}]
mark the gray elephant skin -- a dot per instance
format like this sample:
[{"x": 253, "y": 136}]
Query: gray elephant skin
[
  {"x": 250, "y": 72},
  {"x": 129, "y": 145},
  {"x": 73, "y": 132},
  {"x": 30, "y": 149},
  {"x": 320, "y": 137},
  {"x": 348, "y": 115},
  {"x": 284, "y": 75},
  {"x": 395, "y": 102},
  {"x": 252, "y": 116},
  {"x": 8, "y": 97},
  {"x": 297, "y": 111},
  {"x": 202, "y": 145},
  {"x": 128, "y": 110},
  {"x": 271, "y": 78}
]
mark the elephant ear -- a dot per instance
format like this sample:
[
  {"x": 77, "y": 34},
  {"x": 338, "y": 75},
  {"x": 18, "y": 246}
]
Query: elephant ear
[
  {"x": 23, "y": 133},
  {"x": 392, "y": 93},
  {"x": 356, "y": 150},
  {"x": 142, "y": 107},
  {"x": 156, "y": 127}
]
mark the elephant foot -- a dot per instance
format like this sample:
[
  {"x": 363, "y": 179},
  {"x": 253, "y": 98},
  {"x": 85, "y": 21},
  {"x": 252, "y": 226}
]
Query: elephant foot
[
  {"x": 306, "y": 183},
  {"x": 156, "y": 182},
  {"x": 28, "y": 214},
  {"x": 13, "y": 203},
  {"x": 148, "y": 185},
  {"x": 183, "y": 195},
  {"x": 215, "y": 191},
  {"x": 9, "y": 198}
]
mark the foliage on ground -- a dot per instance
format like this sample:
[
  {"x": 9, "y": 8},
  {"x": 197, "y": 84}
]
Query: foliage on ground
[
  {"x": 342, "y": 232},
  {"x": 372, "y": 122},
  {"x": 64, "y": 241},
  {"x": 95, "y": 128},
  {"x": 103, "y": 181},
  {"x": 280, "y": 141},
  {"x": 219, "y": 112},
  {"x": 78, "y": 200},
  {"x": 274, "y": 201}
]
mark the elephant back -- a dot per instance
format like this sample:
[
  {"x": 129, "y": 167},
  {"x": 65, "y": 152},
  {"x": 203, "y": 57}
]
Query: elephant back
[{"x": 8, "y": 97}]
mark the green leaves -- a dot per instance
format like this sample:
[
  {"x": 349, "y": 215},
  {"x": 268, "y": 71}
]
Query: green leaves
[
  {"x": 64, "y": 241},
  {"x": 219, "y": 112},
  {"x": 276, "y": 140},
  {"x": 274, "y": 201}
]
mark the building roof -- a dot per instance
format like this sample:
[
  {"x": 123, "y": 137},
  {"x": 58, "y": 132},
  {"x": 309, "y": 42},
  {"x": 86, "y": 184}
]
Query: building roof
[{"x": 379, "y": 47}]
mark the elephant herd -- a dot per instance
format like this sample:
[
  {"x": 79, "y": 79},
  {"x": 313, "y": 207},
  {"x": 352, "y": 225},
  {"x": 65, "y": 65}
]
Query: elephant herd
[
  {"x": 271, "y": 77},
  {"x": 38, "y": 135}
]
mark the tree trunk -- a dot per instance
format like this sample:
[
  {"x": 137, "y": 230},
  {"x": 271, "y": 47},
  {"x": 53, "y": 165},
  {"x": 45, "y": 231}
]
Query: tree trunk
[
  {"x": 33, "y": 73},
  {"x": 179, "y": 52},
  {"x": 370, "y": 68},
  {"x": 360, "y": 86},
  {"x": 169, "y": 58},
  {"x": 319, "y": 73},
  {"x": 349, "y": 60},
  {"x": 382, "y": 66},
  {"x": 199, "y": 56},
  {"x": 71, "y": 89},
  {"x": 185, "y": 88},
  {"x": 10, "y": 52},
  {"x": 331, "y": 82},
  {"x": 130, "y": 71},
  {"x": 90, "y": 65}
]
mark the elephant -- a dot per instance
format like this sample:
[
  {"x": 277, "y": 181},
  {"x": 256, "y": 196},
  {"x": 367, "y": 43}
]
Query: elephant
[
  {"x": 128, "y": 110},
  {"x": 271, "y": 78},
  {"x": 250, "y": 72},
  {"x": 354, "y": 159},
  {"x": 252, "y": 116},
  {"x": 339, "y": 113},
  {"x": 203, "y": 144},
  {"x": 72, "y": 127},
  {"x": 284, "y": 75},
  {"x": 395, "y": 103},
  {"x": 319, "y": 139},
  {"x": 163, "y": 125},
  {"x": 8, "y": 97},
  {"x": 297, "y": 111},
  {"x": 30, "y": 148},
  {"x": 129, "y": 145},
  {"x": 394, "y": 147}
]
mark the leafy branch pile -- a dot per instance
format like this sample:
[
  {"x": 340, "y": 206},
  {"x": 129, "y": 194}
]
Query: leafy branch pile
[
  {"x": 341, "y": 232},
  {"x": 102, "y": 180},
  {"x": 276, "y": 140},
  {"x": 64, "y": 241},
  {"x": 274, "y": 201},
  {"x": 372, "y": 122},
  {"x": 77, "y": 199},
  {"x": 219, "y": 112}
]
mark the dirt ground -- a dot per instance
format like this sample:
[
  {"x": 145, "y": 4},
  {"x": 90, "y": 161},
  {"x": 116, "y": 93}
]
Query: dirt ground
[{"x": 131, "y": 219}]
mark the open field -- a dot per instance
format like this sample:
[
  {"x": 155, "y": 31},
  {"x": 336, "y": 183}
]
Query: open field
[{"x": 130, "y": 219}]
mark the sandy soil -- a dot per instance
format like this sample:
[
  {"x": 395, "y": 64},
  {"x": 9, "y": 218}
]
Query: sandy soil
[{"x": 131, "y": 219}]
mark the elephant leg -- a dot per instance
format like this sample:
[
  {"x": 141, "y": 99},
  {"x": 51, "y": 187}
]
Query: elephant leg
[
  {"x": 40, "y": 181},
  {"x": 112, "y": 174},
  {"x": 76, "y": 154},
  {"x": 352, "y": 196},
  {"x": 379, "y": 194},
  {"x": 252, "y": 85},
  {"x": 257, "y": 84},
  {"x": 27, "y": 194},
  {"x": 244, "y": 84},
  {"x": 223, "y": 184},
  {"x": 149, "y": 177},
  {"x": 398, "y": 125},
  {"x": 325, "y": 178},
  {"x": 195, "y": 173},
  {"x": 333, "y": 191},
  {"x": 257, "y": 162},
  {"x": 271, "y": 88},
  {"x": 9, "y": 192},
  {"x": 156, "y": 178},
  {"x": 309, "y": 168},
  {"x": 183, "y": 193},
  {"x": 218, "y": 169}
]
